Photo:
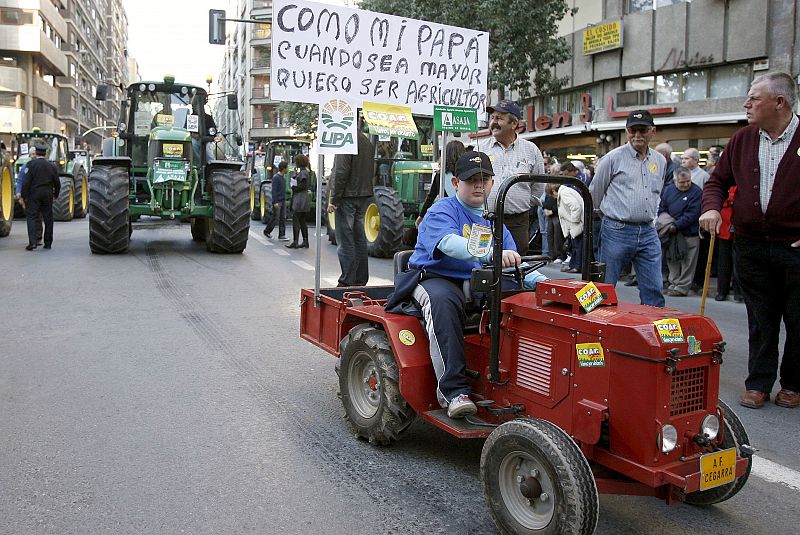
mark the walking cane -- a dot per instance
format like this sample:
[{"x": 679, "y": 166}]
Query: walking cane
[{"x": 708, "y": 274}]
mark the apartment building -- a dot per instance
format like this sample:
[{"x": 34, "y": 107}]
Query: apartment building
[
  {"x": 689, "y": 62},
  {"x": 32, "y": 41}
]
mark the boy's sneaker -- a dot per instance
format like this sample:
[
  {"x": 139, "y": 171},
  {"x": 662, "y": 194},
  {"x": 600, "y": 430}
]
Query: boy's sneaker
[
  {"x": 461, "y": 406},
  {"x": 557, "y": 261},
  {"x": 283, "y": 238}
]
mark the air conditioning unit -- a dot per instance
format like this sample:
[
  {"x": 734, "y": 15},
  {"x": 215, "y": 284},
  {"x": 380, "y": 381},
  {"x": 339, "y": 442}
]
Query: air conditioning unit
[{"x": 638, "y": 97}]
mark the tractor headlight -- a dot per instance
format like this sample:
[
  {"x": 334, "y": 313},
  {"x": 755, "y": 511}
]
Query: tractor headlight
[
  {"x": 151, "y": 87},
  {"x": 710, "y": 426},
  {"x": 668, "y": 438},
  {"x": 142, "y": 87},
  {"x": 122, "y": 127},
  {"x": 184, "y": 90}
]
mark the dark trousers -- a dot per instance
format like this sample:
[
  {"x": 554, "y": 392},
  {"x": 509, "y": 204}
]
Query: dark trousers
[
  {"x": 555, "y": 238},
  {"x": 40, "y": 202},
  {"x": 279, "y": 215},
  {"x": 353, "y": 257},
  {"x": 726, "y": 272},
  {"x": 299, "y": 225},
  {"x": 769, "y": 273},
  {"x": 576, "y": 253},
  {"x": 519, "y": 226}
]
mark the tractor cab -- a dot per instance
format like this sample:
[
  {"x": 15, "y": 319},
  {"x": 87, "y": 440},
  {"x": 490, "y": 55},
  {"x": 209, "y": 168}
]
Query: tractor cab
[{"x": 22, "y": 147}]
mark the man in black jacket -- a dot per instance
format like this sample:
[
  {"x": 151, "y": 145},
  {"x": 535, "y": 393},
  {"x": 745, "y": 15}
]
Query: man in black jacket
[
  {"x": 353, "y": 179},
  {"x": 39, "y": 186}
]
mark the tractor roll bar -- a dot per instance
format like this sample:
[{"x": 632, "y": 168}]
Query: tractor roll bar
[{"x": 590, "y": 270}]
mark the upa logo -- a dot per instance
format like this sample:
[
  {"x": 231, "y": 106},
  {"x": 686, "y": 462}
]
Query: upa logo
[
  {"x": 337, "y": 119},
  {"x": 590, "y": 355}
]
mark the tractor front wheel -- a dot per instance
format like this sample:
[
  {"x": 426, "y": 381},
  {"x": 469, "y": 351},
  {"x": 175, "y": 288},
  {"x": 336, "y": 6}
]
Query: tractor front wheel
[
  {"x": 199, "y": 226},
  {"x": 267, "y": 210},
  {"x": 228, "y": 230},
  {"x": 64, "y": 204},
  {"x": 255, "y": 206},
  {"x": 383, "y": 223},
  {"x": 368, "y": 377},
  {"x": 81, "y": 193},
  {"x": 735, "y": 436},
  {"x": 109, "y": 227},
  {"x": 536, "y": 480},
  {"x": 6, "y": 200}
]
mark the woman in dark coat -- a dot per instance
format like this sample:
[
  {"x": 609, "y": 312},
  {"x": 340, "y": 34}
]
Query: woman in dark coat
[
  {"x": 452, "y": 153},
  {"x": 301, "y": 201}
]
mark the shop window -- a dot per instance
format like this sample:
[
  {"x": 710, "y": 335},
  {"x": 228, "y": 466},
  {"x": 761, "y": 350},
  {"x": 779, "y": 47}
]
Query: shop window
[
  {"x": 640, "y": 84},
  {"x": 730, "y": 81},
  {"x": 668, "y": 88},
  {"x": 694, "y": 85}
]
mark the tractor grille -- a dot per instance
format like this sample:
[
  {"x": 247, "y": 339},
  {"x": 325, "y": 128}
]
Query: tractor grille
[
  {"x": 688, "y": 391},
  {"x": 534, "y": 366}
]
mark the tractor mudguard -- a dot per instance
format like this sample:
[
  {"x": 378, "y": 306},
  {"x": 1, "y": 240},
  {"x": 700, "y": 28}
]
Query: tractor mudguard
[
  {"x": 224, "y": 164},
  {"x": 112, "y": 161}
]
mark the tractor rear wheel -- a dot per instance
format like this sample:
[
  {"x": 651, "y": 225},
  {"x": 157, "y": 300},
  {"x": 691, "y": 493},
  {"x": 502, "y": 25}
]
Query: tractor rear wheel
[
  {"x": 267, "y": 210},
  {"x": 383, "y": 223},
  {"x": 536, "y": 480},
  {"x": 6, "y": 200},
  {"x": 64, "y": 204},
  {"x": 81, "y": 193},
  {"x": 734, "y": 436},
  {"x": 199, "y": 226},
  {"x": 109, "y": 227},
  {"x": 368, "y": 378},
  {"x": 230, "y": 226},
  {"x": 255, "y": 204}
]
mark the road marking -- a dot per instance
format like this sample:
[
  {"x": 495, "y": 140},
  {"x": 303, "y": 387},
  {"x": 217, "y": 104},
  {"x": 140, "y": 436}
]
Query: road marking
[
  {"x": 261, "y": 239},
  {"x": 377, "y": 281},
  {"x": 304, "y": 265},
  {"x": 775, "y": 473},
  {"x": 280, "y": 252}
]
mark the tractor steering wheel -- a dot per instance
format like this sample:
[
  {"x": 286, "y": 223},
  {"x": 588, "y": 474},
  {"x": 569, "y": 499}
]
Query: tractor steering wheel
[{"x": 521, "y": 271}]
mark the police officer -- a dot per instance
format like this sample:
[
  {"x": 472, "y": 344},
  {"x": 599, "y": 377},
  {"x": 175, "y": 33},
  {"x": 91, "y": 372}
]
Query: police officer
[{"x": 39, "y": 186}]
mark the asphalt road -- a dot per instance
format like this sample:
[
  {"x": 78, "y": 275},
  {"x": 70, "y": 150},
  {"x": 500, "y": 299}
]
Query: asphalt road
[{"x": 167, "y": 391}]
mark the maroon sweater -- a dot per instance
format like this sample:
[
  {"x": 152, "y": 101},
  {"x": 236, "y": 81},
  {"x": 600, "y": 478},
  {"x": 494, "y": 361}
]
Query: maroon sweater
[{"x": 739, "y": 166}]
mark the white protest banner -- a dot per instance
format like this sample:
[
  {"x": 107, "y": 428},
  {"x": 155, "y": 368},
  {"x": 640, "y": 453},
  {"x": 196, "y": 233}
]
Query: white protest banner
[
  {"x": 322, "y": 51},
  {"x": 336, "y": 130}
]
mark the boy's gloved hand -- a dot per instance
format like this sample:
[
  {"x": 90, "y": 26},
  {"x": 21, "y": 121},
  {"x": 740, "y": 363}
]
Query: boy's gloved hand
[{"x": 532, "y": 278}]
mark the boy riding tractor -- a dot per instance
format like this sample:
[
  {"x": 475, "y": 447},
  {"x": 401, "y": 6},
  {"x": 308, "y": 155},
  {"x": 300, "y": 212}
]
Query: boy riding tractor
[{"x": 575, "y": 392}]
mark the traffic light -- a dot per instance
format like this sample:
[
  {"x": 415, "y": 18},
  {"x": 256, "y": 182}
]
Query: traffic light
[{"x": 216, "y": 26}]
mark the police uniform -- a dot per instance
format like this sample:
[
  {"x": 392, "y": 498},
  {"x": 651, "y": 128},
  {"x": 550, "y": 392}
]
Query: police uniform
[{"x": 39, "y": 186}]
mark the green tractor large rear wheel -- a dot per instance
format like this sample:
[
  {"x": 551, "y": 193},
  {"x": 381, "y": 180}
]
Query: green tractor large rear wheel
[
  {"x": 64, "y": 204},
  {"x": 6, "y": 200},
  {"x": 383, "y": 222},
  {"x": 109, "y": 227},
  {"x": 81, "y": 188},
  {"x": 230, "y": 226}
]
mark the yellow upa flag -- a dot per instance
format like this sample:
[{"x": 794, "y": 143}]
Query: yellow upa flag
[{"x": 389, "y": 120}]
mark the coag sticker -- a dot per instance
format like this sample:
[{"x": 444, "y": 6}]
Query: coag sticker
[
  {"x": 694, "y": 345},
  {"x": 653, "y": 167},
  {"x": 589, "y": 297},
  {"x": 162, "y": 119},
  {"x": 23, "y": 149},
  {"x": 480, "y": 240},
  {"x": 173, "y": 149},
  {"x": 670, "y": 331},
  {"x": 407, "y": 337},
  {"x": 192, "y": 123},
  {"x": 590, "y": 355}
]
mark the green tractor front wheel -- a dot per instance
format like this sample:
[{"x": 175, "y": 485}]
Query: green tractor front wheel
[
  {"x": 109, "y": 227},
  {"x": 81, "y": 188},
  {"x": 255, "y": 201},
  {"x": 383, "y": 223},
  {"x": 228, "y": 229}
]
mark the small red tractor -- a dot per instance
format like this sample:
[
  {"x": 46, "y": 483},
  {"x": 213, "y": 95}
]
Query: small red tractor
[{"x": 577, "y": 393}]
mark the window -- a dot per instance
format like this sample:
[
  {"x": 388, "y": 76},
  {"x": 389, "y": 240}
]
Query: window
[
  {"x": 15, "y": 17},
  {"x": 729, "y": 81},
  {"x": 637, "y": 6},
  {"x": 8, "y": 100},
  {"x": 9, "y": 61},
  {"x": 717, "y": 82}
]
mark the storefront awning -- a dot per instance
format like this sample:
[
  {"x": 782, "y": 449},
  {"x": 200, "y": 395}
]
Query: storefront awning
[{"x": 390, "y": 121}]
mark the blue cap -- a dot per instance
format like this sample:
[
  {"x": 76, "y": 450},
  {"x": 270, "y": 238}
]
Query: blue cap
[{"x": 506, "y": 106}]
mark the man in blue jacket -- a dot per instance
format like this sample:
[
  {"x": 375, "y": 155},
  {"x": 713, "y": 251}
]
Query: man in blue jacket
[
  {"x": 278, "y": 203},
  {"x": 681, "y": 200}
]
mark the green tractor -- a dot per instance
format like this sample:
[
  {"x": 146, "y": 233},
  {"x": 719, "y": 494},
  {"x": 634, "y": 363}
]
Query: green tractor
[
  {"x": 6, "y": 194},
  {"x": 162, "y": 166},
  {"x": 403, "y": 176},
  {"x": 73, "y": 200}
]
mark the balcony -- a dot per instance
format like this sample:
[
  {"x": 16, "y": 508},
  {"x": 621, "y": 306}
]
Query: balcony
[
  {"x": 29, "y": 38},
  {"x": 12, "y": 79},
  {"x": 12, "y": 120},
  {"x": 261, "y": 65},
  {"x": 262, "y": 4},
  {"x": 260, "y": 95},
  {"x": 46, "y": 122},
  {"x": 263, "y": 128},
  {"x": 45, "y": 92}
]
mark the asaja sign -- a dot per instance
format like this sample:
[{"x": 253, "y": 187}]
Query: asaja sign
[{"x": 455, "y": 119}]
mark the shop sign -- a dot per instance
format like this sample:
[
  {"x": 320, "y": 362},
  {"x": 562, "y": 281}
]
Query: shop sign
[{"x": 602, "y": 37}]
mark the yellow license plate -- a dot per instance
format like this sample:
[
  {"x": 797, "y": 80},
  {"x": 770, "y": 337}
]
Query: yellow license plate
[{"x": 717, "y": 468}]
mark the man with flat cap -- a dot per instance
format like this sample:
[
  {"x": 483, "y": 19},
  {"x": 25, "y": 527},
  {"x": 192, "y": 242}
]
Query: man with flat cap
[
  {"x": 627, "y": 189},
  {"x": 511, "y": 155},
  {"x": 443, "y": 259},
  {"x": 39, "y": 186}
]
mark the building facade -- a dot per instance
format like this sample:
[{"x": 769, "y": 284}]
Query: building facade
[{"x": 689, "y": 62}]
